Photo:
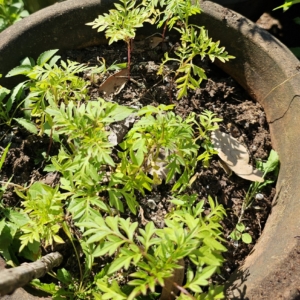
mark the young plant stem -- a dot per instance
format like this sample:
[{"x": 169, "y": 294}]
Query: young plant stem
[
  {"x": 165, "y": 29},
  {"x": 68, "y": 233}
]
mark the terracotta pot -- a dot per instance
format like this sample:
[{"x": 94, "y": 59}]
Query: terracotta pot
[{"x": 263, "y": 66}]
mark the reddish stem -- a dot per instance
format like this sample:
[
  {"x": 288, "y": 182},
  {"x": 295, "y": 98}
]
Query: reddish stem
[{"x": 165, "y": 28}]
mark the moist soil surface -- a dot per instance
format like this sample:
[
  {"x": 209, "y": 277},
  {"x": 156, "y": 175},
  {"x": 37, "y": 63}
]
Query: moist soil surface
[{"x": 243, "y": 119}]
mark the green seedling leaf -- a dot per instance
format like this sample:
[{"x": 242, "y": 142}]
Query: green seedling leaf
[
  {"x": 3, "y": 93},
  {"x": 235, "y": 235},
  {"x": 272, "y": 162},
  {"x": 45, "y": 56},
  {"x": 21, "y": 70},
  {"x": 246, "y": 238},
  {"x": 64, "y": 276},
  {"x": 27, "y": 125},
  {"x": 287, "y": 4},
  {"x": 15, "y": 95},
  {"x": 3, "y": 156},
  {"x": 240, "y": 227}
]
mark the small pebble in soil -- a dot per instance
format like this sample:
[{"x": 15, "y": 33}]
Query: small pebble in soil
[
  {"x": 259, "y": 196},
  {"x": 151, "y": 203}
]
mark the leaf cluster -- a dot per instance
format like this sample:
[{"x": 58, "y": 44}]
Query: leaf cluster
[
  {"x": 121, "y": 23},
  {"x": 97, "y": 179},
  {"x": 48, "y": 82},
  {"x": 44, "y": 207},
  {"x": 194, "y": 42},
  {"x": 10, "y": 232},
  {"x": 151, "y": 254},
  {"x": 83, "y": 162},
  {"x": 11, "y": 11}
]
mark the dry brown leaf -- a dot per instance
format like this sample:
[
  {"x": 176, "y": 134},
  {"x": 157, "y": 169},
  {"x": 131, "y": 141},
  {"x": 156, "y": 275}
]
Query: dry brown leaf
[
  {"x": 170, "y": 291},
  {"x": 114, "y": 83},
  {"x": 155, "y": 41},
  {"x": 235, "y": 155}
]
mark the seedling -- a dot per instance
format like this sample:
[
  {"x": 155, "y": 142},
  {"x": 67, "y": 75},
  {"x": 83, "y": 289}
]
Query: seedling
[
  {"x": 271, "y": 165},
  {"x": 239, "y": 234},
  {"x": 121, "y": 23}
]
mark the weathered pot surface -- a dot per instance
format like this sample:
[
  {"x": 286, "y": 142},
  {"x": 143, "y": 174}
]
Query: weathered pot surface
[
  {"x": 251, "y": 9},
  {"x": 263, "y": 66}
]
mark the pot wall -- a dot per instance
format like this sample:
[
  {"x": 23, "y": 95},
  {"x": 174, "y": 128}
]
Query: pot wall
[
  {"x": 263, "y": 66},
  {"x": 251, "y": 9}
]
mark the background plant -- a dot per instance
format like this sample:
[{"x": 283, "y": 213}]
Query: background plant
[
  {"x": 287, "y": 4},
  {"x": 11, "y": 11}
]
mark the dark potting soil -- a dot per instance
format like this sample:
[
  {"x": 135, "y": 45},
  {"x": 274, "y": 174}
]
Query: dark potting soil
[{"x": 243, "y": 119}]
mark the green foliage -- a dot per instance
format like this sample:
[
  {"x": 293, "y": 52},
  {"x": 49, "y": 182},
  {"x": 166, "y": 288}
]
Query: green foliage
[
  {"x": 3, "y": 156},
  {"x": 194, "y": 41},
  {"x": 83, "y": 161},
  {"x": 154, "y": 253},
  {"x": 84, "y": 165},
  {"x": 207, "y": 123},
  {"x": 101, "y": 182},
  {"x": 159, "y": 137},
  {"x": 11, "y": 11},
  {"x": 48, "y": 82},
  {"x": 121, "y": 23},
  {"x": 238, "y": 233},
  {"x": 7, "y": 100},
  {"x": 44, "y": 207},
  {"x": 270, "y": 166},
  {"x": 160, "y": 142},
  {"x": 287, "y": 4},
  {"x": 11, "y": 222},
  {"x": 174, "y": 11}
]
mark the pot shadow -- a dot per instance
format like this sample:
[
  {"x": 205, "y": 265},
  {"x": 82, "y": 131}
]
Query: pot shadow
[{"x": 236, "y": 289}]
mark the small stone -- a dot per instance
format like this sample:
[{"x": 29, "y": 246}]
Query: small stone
[
  {"x": 151, "y": 203},
  {"x": 259, "y": 196}
]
